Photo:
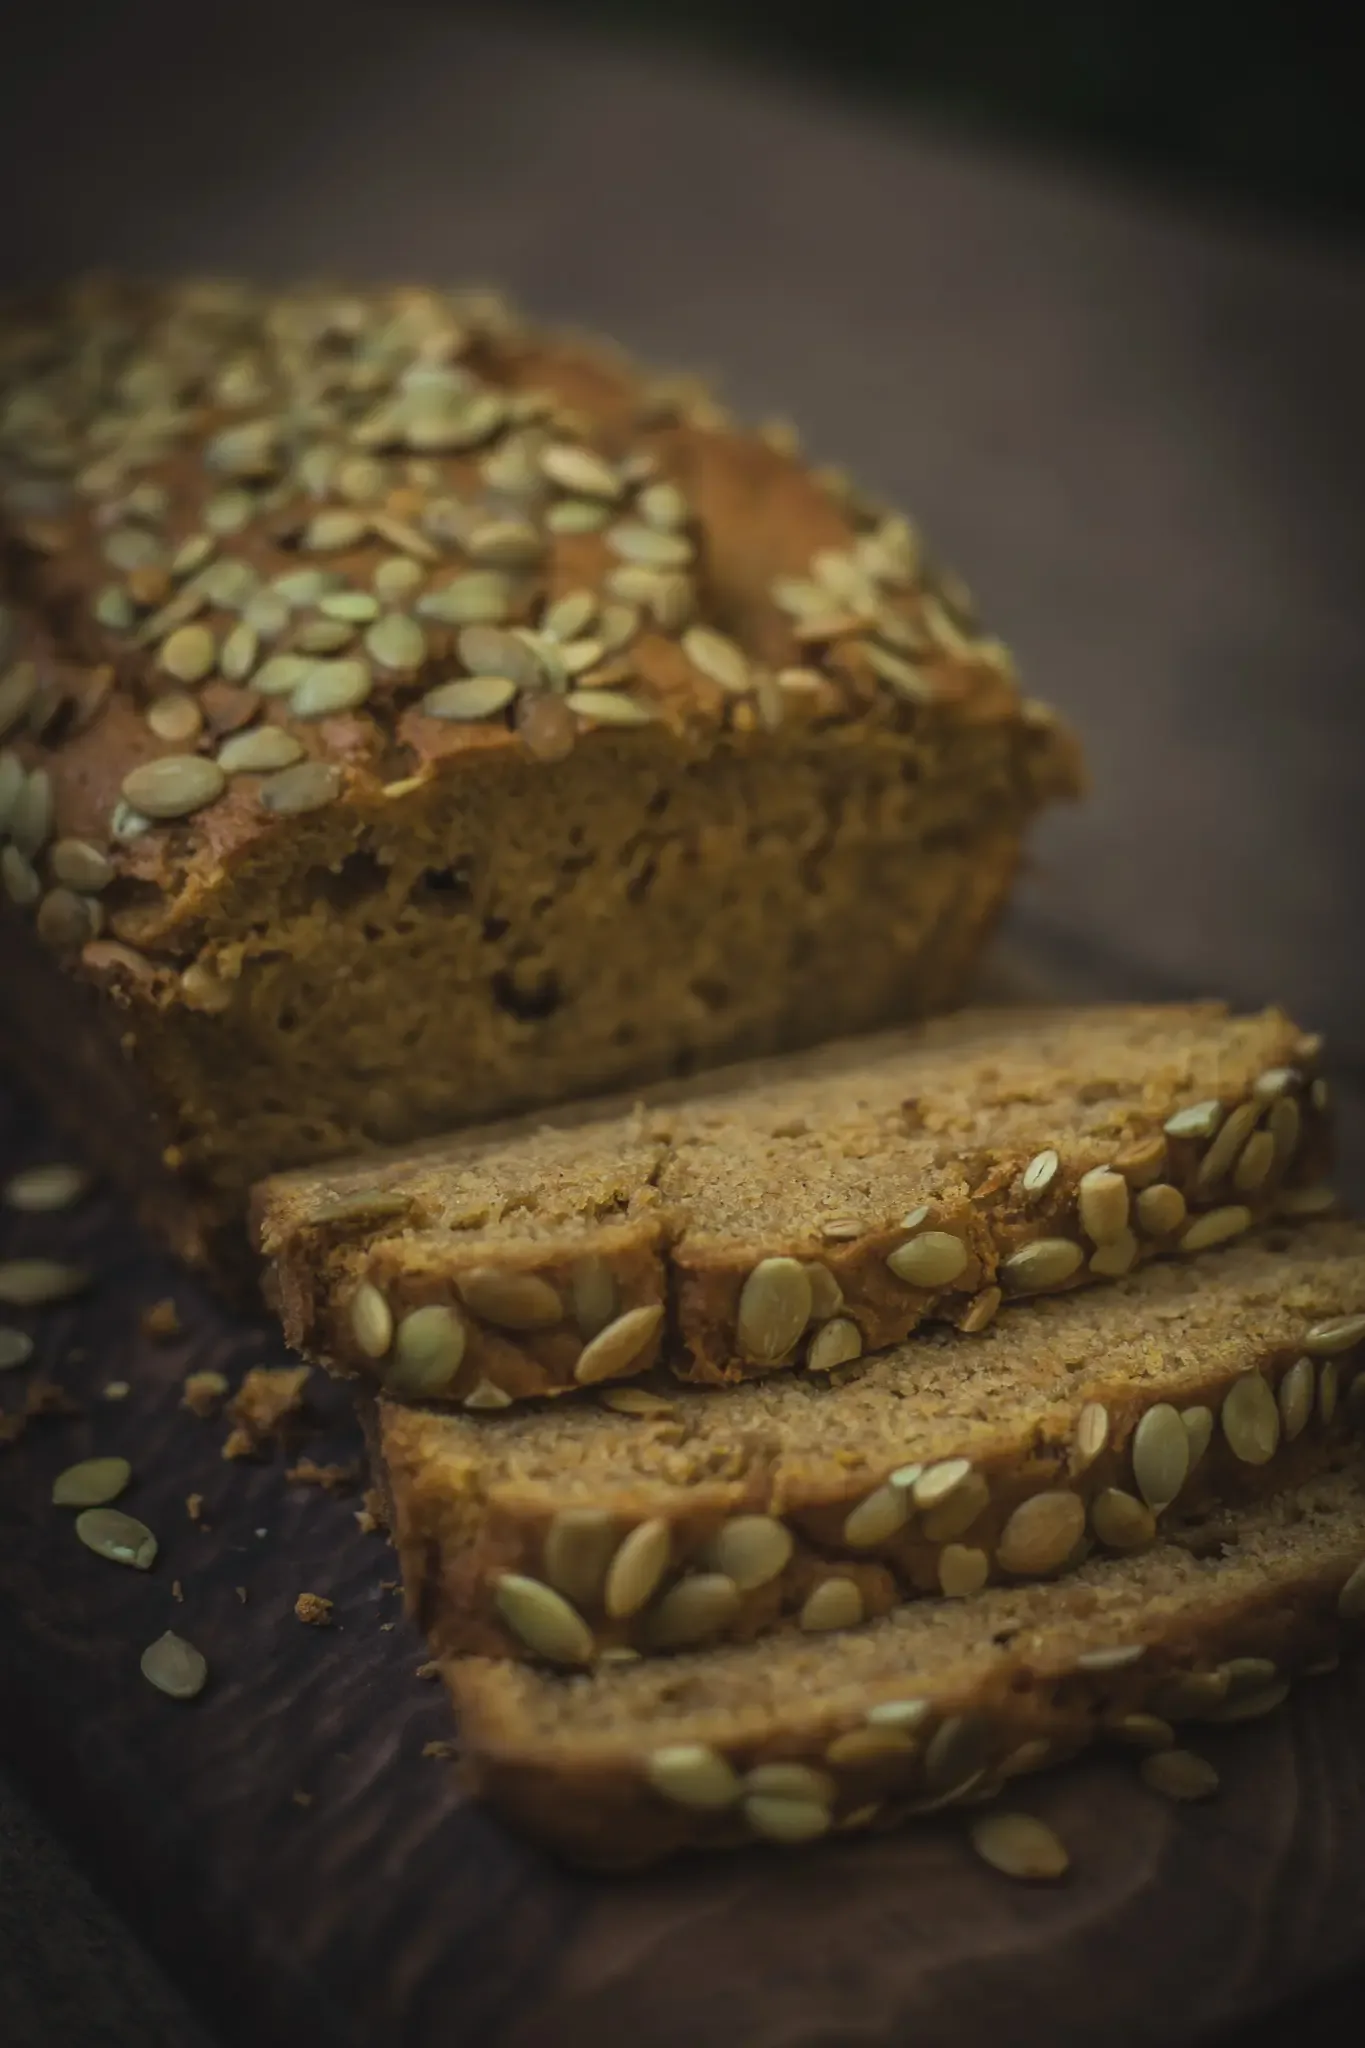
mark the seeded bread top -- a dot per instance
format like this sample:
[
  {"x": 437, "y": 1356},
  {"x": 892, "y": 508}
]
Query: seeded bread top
[{"x": 262, "y": 553}]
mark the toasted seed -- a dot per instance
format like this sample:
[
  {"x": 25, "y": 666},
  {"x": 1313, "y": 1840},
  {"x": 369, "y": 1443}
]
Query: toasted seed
[
  {"x": 333, "y": 529},
  {"x": 1041, "y": 1534},
  {"x": 1046, "y": 1263},
  {"x": 1198, "y": 1426},
  {"x": 485, "y": 1395},
  {"x": 31, "y": 814},
  {"x": 112, "y": 1534},
  {"x": 1040, "y": 1172},
  {"x": 833, "y": 1604},
  {"x": 1248, "y": 1674},
  {"x": 934, "y": 1259},
  {"x": 66, "y": 919},
  {"x": 21, "y": 881},
  {"x": 1161, "y": 1456},
  {"x": 1274, "y": 1082},
  {"x": 1190, "y": 1695},
  {"x": 16, "y": 1348},
  {"x": 1298, "y": 1389},
  {"x": 569, "y": 615},
  {"x": 1236, "y": 1128},
  {"x": 40, "y": 1189},
  {"x": 1019, "y": 1846},
  {"x": 1200, "y": 1120},
  {"x": 1351, "y": 1598},
  {"x": 259, "y": 752},
  {"x": 790, "y": 1781},
  {"x": 305, "y": 787},
  {"x": 188, "y": 653},
  {"x": 1284, "y": 1125},
  {"x": 904, "y": 677},
  {"x": 690, "y": 1774},
  {"x": 371, "y": 1320},
  {"x": 331, "y": 687},
  {"x": 876, "y": 1518},
  {"x": 1250, "y": 1706},
  {"x": 1141, "y": 1162},
  {"x": 954, "y": 1516},
  {"x": 649, "y": 547},
  {"x": 907, "y": 1714},
  {"x": 981, "y": 1311},
  {"x": 513, "y": 1301},
  {"x": 1116, "y": 1258},
  {"x": 1092, "y": 1434},
  {"x": 579, "y": 1544},
  {"x": 620, "y": 1347},
  {"x": 719, "y": 658},
  {"x": 33, "y": 1283},
  {"x": 774, "y": 1308},
  {"x": 1215, "y": 1226},
  {"x": 826, "y": 1295},
  {"x": 933, "y": 1484},
  {"x": 280, "y": 675},
  {"x": 752, "y": 1550},
  {"x": 470, "y": 698},
  {"x": 92, "y": 1483},
  {"x": 1142, "y": 1731},
  {"x": 1251, "y": 1420},
  {"x": 1179, "y": 1774},
  {"x": 1339, "y": 1333},
  {"x": 173, "y": 786},
  {"x": 175, "y": 718},
  {"x": 1120, "y": 1658},
  {"x": 428, "y": 1350},
  {"x": 323, "y": 636},
  {"x": 868, "y": 1747},
  {"x": 786, "y": 1820},
  {"x": 1254, "y": 1165},
  {"x": 479, "y": 597},
  {"x": 577, "y": 515},
  {"x": 1120, "y": 1521},
  {"x": 956, "y": 1753},
  {"x": 637, "y": 1568},
  {"x": 1102, "y": 1200},
  {"x": 962, "y": 1571},
  {"x": 505, "y": 544},
  {"x": 1161, "y": 1209},
  {"x": 580, "y": 471},
  {"x": 543, "y": 1619},
  {"x": 396, "y": 642},
  {"x": 695, "y": 1608},
  {"x": 1328, "y": 1388},
  {"x": 609, "y": 707},
  {"x": 835, "y": 1343},
  {"x": 174, "y": 1667}
]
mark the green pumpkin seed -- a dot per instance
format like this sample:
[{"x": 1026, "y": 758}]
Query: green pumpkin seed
[
  {"x": 1047, "y": 1263},
  {"x": 469, "y": 698},
  {"x": 330, "y": 531},
  {"x": 1161, "y": 1456},
  {"x": 489, "y": 651},
  {"x": 397, "y": 578},
  {"x": 607, "y": 707},
  {"x": 280, "y": 674},
  {"x": 1019, "y": 1846},
  {"x": 16, "y": 1348},
  {"x": 92, "y": 1483},
  {"x": 543, "y": 1619},
  {"x": 119, "y": 1537},
  {"x": 307, "y": 787},
  {"x": 933, "y": 1259},
  {"x": 22, "y": 884},
  {"x": 329, "y": 688},
  {"x": 689, "y": 1774},
  {"x": 371, "y": 1320},
  {"x": 174, "y": 1667},
  {"x": 323, "y": 636},
  {"x": 480, "y": 597},
  {"x": 647, "y": 547},
  {"x": 718, "y": 658},
  {"x": 428, "y": 1350},
  {"x": 228, "y": 511},
  {"x": 1251, "y": 1420},
  {"x": 174, "y": 786},
  {"x": 259, "y": 752},
  {"x": 38, "y": 1190},
  {"x": 33, "y": 1283},
  {"x": 577, "y": 515},
  {"x": 396, "y": 642},
  {"x": 621, "y": 1346}
]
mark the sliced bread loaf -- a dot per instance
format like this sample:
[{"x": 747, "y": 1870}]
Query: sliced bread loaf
[
  {"x": 803, "y": 1212},
  {"x": 939, "y": 1703},
  {"x": 671, "y": 1517}
]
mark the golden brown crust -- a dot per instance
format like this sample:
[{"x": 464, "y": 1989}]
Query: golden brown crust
[
  {"x": 170, "y": 457},
  {"x": 913, "y": 1176},
  {"x": 932, "y": 1711}
]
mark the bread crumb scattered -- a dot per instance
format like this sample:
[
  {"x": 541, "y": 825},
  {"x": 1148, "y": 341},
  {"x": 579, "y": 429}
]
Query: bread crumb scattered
[
  {"x": 332, "y": 1478},
  {"x": 161, "y": 1320},
  {"x": 264, "y": 1403},
  {"x": 177, "y": 1590},
  {"x": 301, "y": 1798},
  {"x": 314, "y": 1608},
  {"x": 384, "y": 1627},
  {"x": 194, "y": 1505},
  {"x": 47, "y": 1398},
  {"x": 202, "y": 1392},
  {"x": 371, "y": 1516},
  {"x": 240, "y": 1591},
  {"x": 440, "y": 1749}
]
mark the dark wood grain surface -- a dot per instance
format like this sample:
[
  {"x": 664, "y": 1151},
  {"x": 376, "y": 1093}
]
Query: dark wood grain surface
[{"x": 1144, "y": 437}]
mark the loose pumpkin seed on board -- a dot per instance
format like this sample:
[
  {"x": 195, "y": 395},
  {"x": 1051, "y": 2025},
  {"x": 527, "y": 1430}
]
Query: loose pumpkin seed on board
[
  {"x": 175, "y": 1667},
  {"x": 91, "y": 1484},
  {"x": 119, "y": 1537}
]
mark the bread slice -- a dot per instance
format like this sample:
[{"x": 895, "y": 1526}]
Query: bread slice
[
  {"x": 683, "y": 1516},
  {"x": 803, "y": 1212},
  {"x": 939, "y": 1703},
  {"x": 408, "y": 717}
]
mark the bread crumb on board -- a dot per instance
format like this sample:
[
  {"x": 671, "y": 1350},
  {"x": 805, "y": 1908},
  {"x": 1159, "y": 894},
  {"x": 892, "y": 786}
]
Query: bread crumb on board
[{"x": 314, "y": 1608}]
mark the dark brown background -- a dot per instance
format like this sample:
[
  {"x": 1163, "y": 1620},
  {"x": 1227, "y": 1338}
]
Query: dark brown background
[{"x": 1141, "y": 433}]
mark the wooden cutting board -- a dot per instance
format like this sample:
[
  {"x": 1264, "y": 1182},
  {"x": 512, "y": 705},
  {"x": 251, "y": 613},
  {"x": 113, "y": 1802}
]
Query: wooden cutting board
[{"x": 310, "y": 1876}]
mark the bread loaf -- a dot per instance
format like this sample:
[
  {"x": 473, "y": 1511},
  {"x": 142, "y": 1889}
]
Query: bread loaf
[{"x": 406, "y": 718}]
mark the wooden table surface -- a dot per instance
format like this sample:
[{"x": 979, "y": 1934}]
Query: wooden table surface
[{"x": 1143, "y": 437}]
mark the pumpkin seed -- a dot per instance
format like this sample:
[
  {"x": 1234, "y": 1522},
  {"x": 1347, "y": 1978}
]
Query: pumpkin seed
[
  {"x": 1092, "y": 1434},
  {"x": 637, "y": 1568},
  {"x": 1102, "y": 1202},
  {"x": 609, "y": 707},
  {"x": 877, "y": 1518},
  {"x": 635, "y": 1401},
  {"x": 689, "y": 1774},
  {"x": 981, "y": 1311},
  {"x": 663, "y": 505},
  {"x": 1254, "y": 1165},
  {"x": 174, "y": 1667},
  {"x": 1198, "y": 1426},
  {"x": 786, "y": 1820},
  {"x": 396, "y": 642},
  {"x": 17, "y": 691},
  {"x": 580, "y": 471},
  {"x": 1120, "y": 1658},
  {"x": 791, "y": 1781},
  {"x": 932, "y": 1484},
  {"x": 1046, "y": 1263},
  {"x": 694, "y": 1609},
  {"x": 750, "y": 1549},
  {"x": 955, "y": 1515},
  {"x": 1116, "y": 1258},
  {"x": 1200, "y": 1120},
  {"x": 902, "y": 675},
  {"x": 1190, "y": 1695},
  {"x": 512, "y": 1301},
  {"x": 719, "y": 659},
  {"x": 905, "y": 1714},
  {"x": 578, "y": 1548},
  {"x": 837, "y": 1342},
  {"x": 351, "y": 607},
  {"x": 956, "y": 1753},
  {"x": 174, "y": 786},
  {"x": 648, "y": 547},
  {"x": 259, "y": 752},
  {"x": 188, "y": 654},
  {"x": 119, "y": 1537},
  {"x": 1161, "y": 1456},
  {"x": 486, "y": 1396},
  {"x": 869, "y": 1747},
  {"x": 774, "y": 1308},
  {"x": 175, "y": 718},
  {"x": 833, "y": 1604},
  {"x": 1250, "y": 1706},
  {"x": 330, "y": 687},
  {"x": 306, "y": 787},
  {"x": 31, "y": 814},
  {"x": 489, "y": 651},
  {"x": 577, "y": 515},
  {"x": 1275, "y": 1081},
  {"x": 38, "y": 1190},
  {"x": 1215, "y": 1226},
  {"x": 479, "y": 597},
  {"x": 66, "y": 919},
  {"x": 934, "y": 1259},
  {"x": 505, "y": 544},
  {"x": 1328, "y": 1388},
  {"x": 620, "y": 1347},
  {"x": 1040, "y": 1172},
  {"x": 1141, "y": 1731},
  {"x": 1251, "y": 1420},
  {"x": 543, "y": 1620},
  {"x": 428, "y": 1350},
  {"x": 1179, "y": 1774},
  {"x": 327, "y": 532},
  {"x": 33, "y": 1283},
  {"x": 1120, "y": 1521},
  {"x": 962, "y": 1571},
  {"x": 323, "y": 636},
  {"x": 1141, "y": 1162},
  {"x": 1041, "y": 1534},
  {"x": 1298, "y": 1390},
  {"x": 469, "y": 698},
  {"x": 16, "y": 1348},
  {"x": 1340, "y": 1333},
  {"x": 1019, "y": 1846},
  {"x": 92, "y": 1483},
  {"x": 1236, "y": 1128},
  {"x": 371, "y": 1320},
  {"x": 593, "y": 1288},
  {"x": 1161, "y": 1209},
  {"x": 22, "y": 884},
  {"x": 1284, "y": 1125}
]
